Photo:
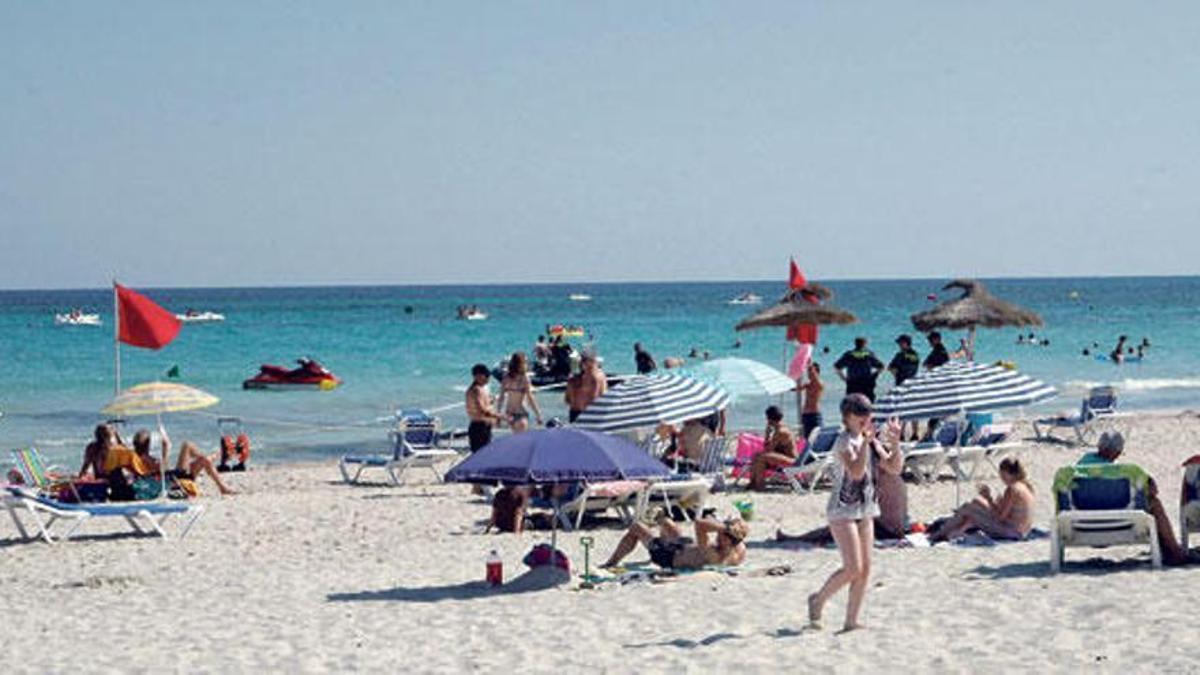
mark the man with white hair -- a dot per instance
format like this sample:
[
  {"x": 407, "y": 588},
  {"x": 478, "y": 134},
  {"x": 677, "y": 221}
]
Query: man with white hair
[{"x": 1108, "y": 451}]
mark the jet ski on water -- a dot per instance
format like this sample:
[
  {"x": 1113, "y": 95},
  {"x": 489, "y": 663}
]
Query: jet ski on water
[{"x": 309, "y": 375}]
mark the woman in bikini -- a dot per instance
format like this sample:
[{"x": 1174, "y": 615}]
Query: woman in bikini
[
  {"x": 853, "y": 505},
  {"x": 515, "y": 389},
  {"x": 1009, "y": 518}
]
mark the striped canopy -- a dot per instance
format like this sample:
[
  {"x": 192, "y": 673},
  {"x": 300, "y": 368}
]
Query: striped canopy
[
  {"x": 961, "y": 387},
  {"x": 743, "y": 377},
  {"x": 153, "y": 398},
  {"x": 649, "y": 400}
]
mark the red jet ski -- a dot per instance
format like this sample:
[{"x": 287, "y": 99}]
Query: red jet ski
[{"x": 310, "y": 374}]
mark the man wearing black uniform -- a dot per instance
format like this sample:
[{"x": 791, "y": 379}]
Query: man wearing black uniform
[
  {"x": 938, "y": 356},
  {"x": 859, "y": 368},
  {"x": 906, "y": 362},
  {"x": 645, "y": 363}
]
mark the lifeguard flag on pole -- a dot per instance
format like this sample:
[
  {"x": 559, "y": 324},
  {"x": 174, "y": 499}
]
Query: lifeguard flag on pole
[
  {"x": 142, "y": 322},
  {"x": 804, "y": 333}
]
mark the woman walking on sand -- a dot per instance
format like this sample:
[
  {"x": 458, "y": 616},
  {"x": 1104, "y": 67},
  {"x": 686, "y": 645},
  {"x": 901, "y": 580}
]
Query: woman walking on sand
[{"x": 853, "y": 506}]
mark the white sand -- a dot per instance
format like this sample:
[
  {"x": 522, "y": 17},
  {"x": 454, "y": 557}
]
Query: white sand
[{"x": 301, "y": 573}]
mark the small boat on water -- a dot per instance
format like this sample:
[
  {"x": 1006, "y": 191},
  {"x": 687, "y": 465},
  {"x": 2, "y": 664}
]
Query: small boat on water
[
  {"x": 471, "y": 313},
  {"x": 192, "y": 316},
  {"x": 580, "y": 297},
  {"x": 747, "y": 299},
  {"x": 310, "y": 375},
  {"x": 77, "y": 317}
]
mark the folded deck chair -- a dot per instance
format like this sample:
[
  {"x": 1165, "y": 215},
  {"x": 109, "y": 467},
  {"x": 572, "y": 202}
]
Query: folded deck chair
[
  {"x": 815, "y": 463},
  {"x": 38, "y": 474},
  {"x": 1100, "y": 505},
  {"x": 415, "y": 444},
  {"x": 1189, "y": 509},
  {"x": 1100, "y": 402},
  {"x": 143, "y": 517}
]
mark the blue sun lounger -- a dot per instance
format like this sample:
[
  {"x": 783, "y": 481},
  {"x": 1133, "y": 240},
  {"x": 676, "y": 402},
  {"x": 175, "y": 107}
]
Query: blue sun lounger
[{"x": 415, "y": 445}]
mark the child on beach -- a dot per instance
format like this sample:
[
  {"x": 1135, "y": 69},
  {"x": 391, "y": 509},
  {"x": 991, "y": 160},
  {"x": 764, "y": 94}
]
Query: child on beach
[
  {"x": 1010, "y": 517},
  {"x": 853, "y": 506}
]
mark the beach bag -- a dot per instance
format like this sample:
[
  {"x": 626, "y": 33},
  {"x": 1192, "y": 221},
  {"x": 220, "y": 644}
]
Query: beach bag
[
  {"x": 183, "y": 488},
  {"x": 542, "y": 555}
]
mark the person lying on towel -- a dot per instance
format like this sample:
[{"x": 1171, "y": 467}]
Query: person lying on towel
[{"x": 717, "y": 542}]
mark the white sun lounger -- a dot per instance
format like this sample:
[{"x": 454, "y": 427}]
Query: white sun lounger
[
  {"x": 143, "y": 517},
  {"x": 1101, "y": 505}
]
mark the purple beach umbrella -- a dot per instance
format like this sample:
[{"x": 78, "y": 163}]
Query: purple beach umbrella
[{"x": 557, "y": 456}]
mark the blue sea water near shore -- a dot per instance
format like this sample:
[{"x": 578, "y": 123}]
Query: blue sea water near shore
[{"x": 58, "y": 377}]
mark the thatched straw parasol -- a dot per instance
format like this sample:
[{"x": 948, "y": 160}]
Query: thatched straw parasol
[
  {"x": 796, "y": 311},
  {"x": 976, "y": 307},
  {"x": 796, "y": 307}
]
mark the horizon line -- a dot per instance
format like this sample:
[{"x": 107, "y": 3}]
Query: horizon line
[{"x": 634, "y": 282}]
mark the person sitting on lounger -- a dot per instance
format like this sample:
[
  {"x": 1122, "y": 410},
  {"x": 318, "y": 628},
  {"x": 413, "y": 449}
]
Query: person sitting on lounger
[
  {"x": 1108, "y": 451},
  {"x": 1010, "y": 517},
  {"x": 187, "y": 467},
  {"x": 671, "y": 550},
  {"x": 779, "y": 449},
  {"x": 95, "y": 455}
]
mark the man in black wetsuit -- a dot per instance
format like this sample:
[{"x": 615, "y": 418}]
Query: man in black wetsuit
[
  {"x": 644, "y": 361},
  {"x": 859, "y": 368}
]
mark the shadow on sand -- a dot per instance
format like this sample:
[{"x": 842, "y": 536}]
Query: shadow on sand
[
  {"x": 537, "y": 579},
  {"x": 1041, "y": 568},
  {"x": 684, "y": 643}
]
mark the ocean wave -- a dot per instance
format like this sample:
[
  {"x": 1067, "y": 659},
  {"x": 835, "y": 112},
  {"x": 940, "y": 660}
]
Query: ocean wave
[{"x": 1146, "y": 384}]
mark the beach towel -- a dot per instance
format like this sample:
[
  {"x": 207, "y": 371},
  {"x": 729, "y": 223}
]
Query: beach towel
[{"x": 748, "y": 446}]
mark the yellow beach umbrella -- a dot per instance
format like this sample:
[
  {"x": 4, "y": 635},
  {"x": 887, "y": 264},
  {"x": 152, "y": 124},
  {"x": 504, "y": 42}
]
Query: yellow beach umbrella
[{"x": 156, "y": 398}]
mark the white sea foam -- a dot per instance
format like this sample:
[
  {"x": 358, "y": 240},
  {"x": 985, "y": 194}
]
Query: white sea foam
[{"x": 1146, "y": 384}]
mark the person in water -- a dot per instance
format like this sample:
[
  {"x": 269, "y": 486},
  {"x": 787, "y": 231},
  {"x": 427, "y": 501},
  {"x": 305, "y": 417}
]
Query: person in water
[
  {"x": 1118, "y": 352},
  {"x": 779, "y": 449},
  {"x": 1010, "y": 517},
  {"x": 188, "y": 466},
  {"x": 592, "y": 383},
  {"x": 670, "y": 549},
  {"x": 853, "y": 505},
  {"x": 516, "y": 390},
  {"x": 643, "y": 360}
]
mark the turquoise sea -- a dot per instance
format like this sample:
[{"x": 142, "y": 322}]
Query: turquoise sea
[{"x": 58, "y": 377}]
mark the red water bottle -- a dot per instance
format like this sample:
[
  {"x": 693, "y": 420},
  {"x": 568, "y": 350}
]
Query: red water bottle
[{"x": 495, "y": 569}]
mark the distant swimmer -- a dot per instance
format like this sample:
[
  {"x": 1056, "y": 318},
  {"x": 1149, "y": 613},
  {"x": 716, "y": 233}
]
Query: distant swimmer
[
  {"x": 1118, "y": 352},
  {"x": 737, "y": 344},
  {"x": 1087, "y": 352}
]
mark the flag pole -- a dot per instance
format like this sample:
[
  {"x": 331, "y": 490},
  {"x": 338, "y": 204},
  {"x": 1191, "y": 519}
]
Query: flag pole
[{"x": 116, "y": 339}]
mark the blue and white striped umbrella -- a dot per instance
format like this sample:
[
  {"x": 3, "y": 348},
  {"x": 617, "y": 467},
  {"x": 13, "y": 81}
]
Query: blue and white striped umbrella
[
  {"x": 961, "y": 388},
  {"x": 649, "y": 400}
]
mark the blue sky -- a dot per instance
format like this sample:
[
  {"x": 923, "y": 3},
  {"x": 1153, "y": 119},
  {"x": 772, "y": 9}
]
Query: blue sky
[{"x": 244, "y": 143}]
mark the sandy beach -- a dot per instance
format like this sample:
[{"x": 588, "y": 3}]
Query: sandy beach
[{"x": 302, "y": 573}]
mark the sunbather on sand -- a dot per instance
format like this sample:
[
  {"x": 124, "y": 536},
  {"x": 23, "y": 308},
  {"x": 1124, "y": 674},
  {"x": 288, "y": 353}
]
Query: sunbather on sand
[
  {"x": 672, "y": 550},
  {"x": 1011, "y": 517},
  {"x": 1108, "y": 451},
  {"x": 187, "y": 467}
]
